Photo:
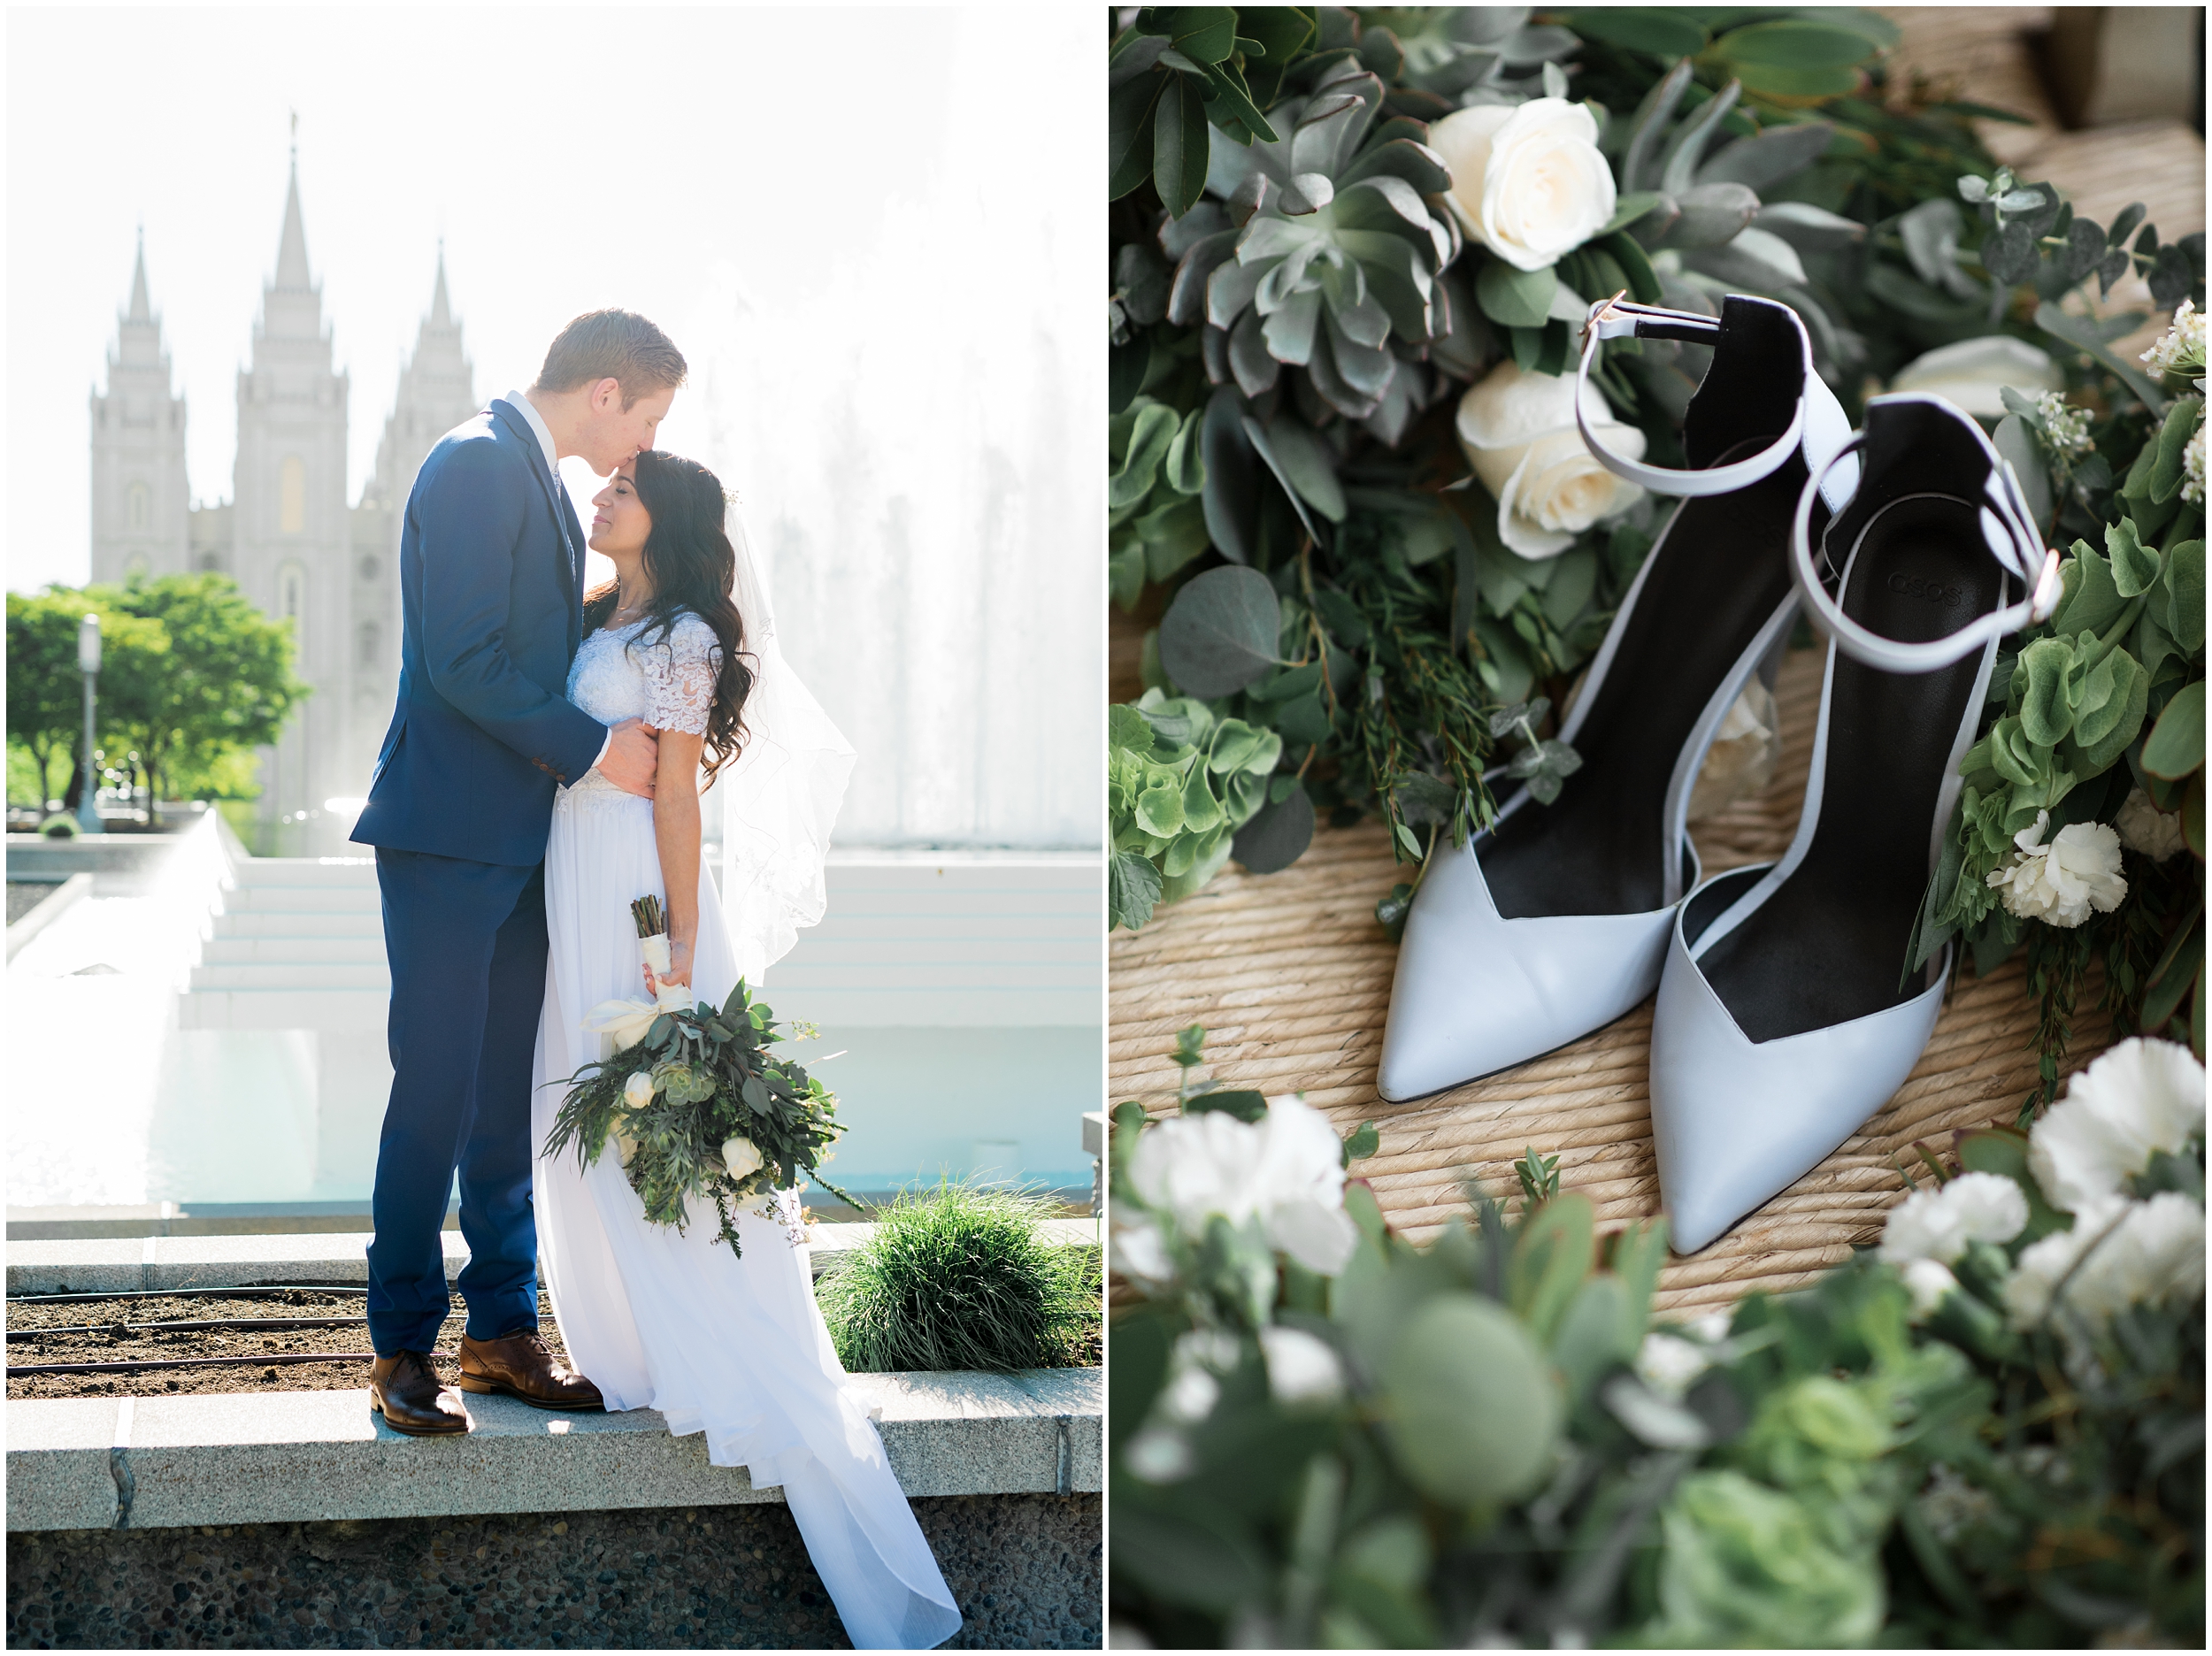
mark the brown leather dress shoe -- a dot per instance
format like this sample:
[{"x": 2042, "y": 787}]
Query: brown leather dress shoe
[
  {"x": 406, "y": 1391},
  {"x": 521, "y": 1366}
]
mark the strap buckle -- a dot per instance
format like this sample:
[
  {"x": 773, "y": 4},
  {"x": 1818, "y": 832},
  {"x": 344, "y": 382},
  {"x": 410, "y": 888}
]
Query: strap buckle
[{"x": 1600, "y": 314}]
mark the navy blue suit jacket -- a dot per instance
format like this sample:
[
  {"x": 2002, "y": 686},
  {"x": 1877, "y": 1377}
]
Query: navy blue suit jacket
[{"x": 491, "y": 570}]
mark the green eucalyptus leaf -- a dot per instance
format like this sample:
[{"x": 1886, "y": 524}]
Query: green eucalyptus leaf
[
  {"x": 1220, "y": 634},
  {"x": 1278, "y": 834},
  {"x": 1471, "y": 1409}
]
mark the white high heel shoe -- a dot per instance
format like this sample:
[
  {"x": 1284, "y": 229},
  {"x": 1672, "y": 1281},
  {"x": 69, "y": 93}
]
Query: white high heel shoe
[
  {"x": 1781, "y": 1026},
  {"x": 1554, "y": 921}
]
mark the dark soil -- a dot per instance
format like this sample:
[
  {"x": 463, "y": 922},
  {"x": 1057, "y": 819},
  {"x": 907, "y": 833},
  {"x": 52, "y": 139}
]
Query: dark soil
[{"x": 119, "y": 1337}]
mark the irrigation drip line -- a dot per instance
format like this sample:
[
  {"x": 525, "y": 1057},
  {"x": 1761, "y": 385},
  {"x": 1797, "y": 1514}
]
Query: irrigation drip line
[
  {"x": 264, "y": 1325},
  {"x": 259, "y": 1292},
  {"x": 267, "y": 1360}
]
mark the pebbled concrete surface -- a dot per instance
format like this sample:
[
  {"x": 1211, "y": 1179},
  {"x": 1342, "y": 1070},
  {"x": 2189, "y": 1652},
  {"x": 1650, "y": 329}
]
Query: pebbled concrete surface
[{"x": 1025, "y": 1570}]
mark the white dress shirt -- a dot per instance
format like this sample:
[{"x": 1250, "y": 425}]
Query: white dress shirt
[{"x": 544, "y": 434}]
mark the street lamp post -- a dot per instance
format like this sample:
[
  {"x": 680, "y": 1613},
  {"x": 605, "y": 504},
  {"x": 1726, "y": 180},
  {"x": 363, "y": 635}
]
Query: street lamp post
[{"x": 89, "y": 663}]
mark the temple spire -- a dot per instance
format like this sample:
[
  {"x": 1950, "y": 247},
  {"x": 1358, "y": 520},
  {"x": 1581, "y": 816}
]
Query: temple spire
[
  {"x": 291, "y": 271},
  {"x": 142, "y": 310},
  {"x": 440, "y": 310}
]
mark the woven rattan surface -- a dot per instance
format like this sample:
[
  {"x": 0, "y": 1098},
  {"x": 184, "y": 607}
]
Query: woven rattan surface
[{"x": 1290, "y": 974}]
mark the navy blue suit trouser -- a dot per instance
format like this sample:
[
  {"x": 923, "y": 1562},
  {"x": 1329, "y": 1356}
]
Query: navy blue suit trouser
[{"x": 466, "y": 943}]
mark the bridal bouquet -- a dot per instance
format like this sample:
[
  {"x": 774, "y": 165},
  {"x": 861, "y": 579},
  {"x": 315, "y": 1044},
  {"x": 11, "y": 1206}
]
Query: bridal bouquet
[{"x": 698, "y": 1104}]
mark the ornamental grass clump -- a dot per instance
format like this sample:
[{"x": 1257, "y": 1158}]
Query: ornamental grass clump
[{"x": 964, "y": 1277}]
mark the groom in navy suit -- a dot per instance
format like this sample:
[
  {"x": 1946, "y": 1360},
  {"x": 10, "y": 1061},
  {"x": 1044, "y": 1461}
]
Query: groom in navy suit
[{"x": 491, "y": 587}]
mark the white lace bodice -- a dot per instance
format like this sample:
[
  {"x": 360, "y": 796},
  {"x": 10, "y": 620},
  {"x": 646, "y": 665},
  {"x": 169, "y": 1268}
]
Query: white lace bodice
[{"x": 669, "y": 683}]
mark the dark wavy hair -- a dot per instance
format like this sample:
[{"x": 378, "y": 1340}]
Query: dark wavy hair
[{"x": 693, "y": 566}]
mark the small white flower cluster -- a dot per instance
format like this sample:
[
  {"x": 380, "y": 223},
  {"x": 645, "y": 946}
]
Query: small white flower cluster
[
  {"x": 1303, "y": 1372},
  {"x": 1952, "y": 1505},
  {"x": 2065, "y": 429},
  {"x": 2192, "y": 466},
  {"x": 2147, "y": 829},
  {"x": 2139, "y": 1098},
  {"x": 1286, "y": 1171},
  {"x": 2180, "y": 349},
  {"x": 2061, "y": 882}
]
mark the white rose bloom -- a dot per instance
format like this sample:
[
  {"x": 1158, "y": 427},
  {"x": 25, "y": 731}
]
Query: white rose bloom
[
  {"x": 1668, "y": 1363},
  {"x": 1928, "y": 1281},
  {"x": 1301, "y": 1368},
  {"x": 741, "y": 1157},
  {"x": 2061, "y": 882},
  {"x": 2138, "y": 1097},
  {"x": 1518, "y": 431},
  {"x": 1937, "y": 1224},
  {"x": 1973, "y": 373},
  {"x": 637, "y": 1091},
  {"x": 2145, "y": 829},
  {"x": 1286, "y": 1171},
  {"x": 1741, "y": 759},
  {"x": 1528, "y": 182}
]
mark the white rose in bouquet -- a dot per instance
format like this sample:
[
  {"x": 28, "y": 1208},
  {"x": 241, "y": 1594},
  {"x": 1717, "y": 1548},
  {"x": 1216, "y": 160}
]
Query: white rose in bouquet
[
  {"x": 1939, "y": 1224},
  {"x": 742, "y": 1158},
  {"x": 638, "y": 1091},
  {"x": 2061, "y": 882},
  {"x": 1286, "y": 1171},
  {"x": 1518, "y": 431},
  {"x": 1973, "y": 373},
  {"x": 1528, "y": 182},
  {"x": 2139, "y": 1097}
]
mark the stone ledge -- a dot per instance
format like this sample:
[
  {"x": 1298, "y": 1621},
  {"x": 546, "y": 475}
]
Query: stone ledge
[
  {"x": 311, "y": 1456},
  {"x": 134, "y": 1264}
]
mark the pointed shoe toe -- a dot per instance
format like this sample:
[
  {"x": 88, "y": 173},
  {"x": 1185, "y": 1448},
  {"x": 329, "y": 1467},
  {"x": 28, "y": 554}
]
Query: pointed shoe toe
[
  {"x": 1736, "y": 1122},
  {"x": 1476, "y": 993}
]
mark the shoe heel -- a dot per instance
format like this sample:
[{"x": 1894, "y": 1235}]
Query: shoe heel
[{"x": 470, "y": 1383}]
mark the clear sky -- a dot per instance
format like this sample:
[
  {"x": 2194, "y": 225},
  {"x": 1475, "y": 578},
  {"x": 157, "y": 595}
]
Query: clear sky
[
  {"x": 874, "y": 234},
  {"x": 674, "y": 162}
]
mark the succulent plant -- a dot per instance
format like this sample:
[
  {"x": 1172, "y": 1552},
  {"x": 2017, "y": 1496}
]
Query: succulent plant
[{"x": 1324, "y": 248}]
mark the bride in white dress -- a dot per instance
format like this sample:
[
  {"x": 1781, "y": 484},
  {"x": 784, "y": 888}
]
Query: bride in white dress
[{"x": 730, "y": 1347}]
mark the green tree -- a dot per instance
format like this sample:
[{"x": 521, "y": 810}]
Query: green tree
[
  {"x": 223, "y": 686},
  {"x": 45, "y": 690}
]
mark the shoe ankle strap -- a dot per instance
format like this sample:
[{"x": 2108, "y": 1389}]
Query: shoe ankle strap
[
  {"x": 1819, "y": 426},
  {"x": 2008, "y": 532}
]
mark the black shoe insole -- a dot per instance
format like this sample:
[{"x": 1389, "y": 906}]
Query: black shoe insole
[
  {"x": 1720, "y": 572},
  {"x": 1830, "y": 945}
]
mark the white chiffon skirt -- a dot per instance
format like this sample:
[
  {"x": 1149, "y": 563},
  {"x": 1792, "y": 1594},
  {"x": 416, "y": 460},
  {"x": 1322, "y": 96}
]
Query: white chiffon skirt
[{"x": 732, "y": 1347}]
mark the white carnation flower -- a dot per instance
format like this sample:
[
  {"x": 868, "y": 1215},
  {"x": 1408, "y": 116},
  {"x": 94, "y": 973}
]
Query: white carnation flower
[
  {"x": 1286, "y": 1171},
  {"x": 2061, "y": 882},
  {"x": 2138, "y": 1097},
  {"x": 1937, "y": 1224},
  {"x": 1301, "y": 1368},
  {"x": 1668, "y": 1363},
  {"x": 2145, "y": 829},
  {"x": 1928, "y": 1281},
  {"x": 1140, "y": 1252},
  {"x": 2147, "y": 1252}
]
